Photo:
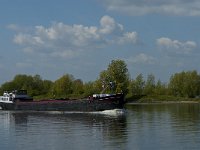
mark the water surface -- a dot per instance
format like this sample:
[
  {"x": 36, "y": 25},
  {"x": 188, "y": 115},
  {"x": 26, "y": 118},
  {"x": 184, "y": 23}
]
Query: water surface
[{"x": 142, "y": 127}]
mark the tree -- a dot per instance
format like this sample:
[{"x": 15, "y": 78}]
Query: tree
[
  {"x": 33, "y": 84},
  {"x": 116, "y": 74},
  {"x": 47, "y": 87},
  {"x": 63, "y": 86},
  {"x": 185, "y": 84},
  {"x": 103, "y": 82},
  {"x": 90, "y": 88},
  {"x": 77, "y": 87},
  {"x": 136, "y": 86},
  {"x": 160, "y": 88},
  {"x": 192, "y": 84},
  {"x": 7, "y": 86},
  {"x": 149, "y": 85},
  {"x": 22, "y": 81}
]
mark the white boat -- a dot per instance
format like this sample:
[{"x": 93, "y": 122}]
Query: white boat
[{"x": 11, "y": 97}]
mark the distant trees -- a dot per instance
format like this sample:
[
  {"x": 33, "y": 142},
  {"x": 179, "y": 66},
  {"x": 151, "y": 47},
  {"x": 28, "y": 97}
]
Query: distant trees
[
  {"x": 185, "y": 84},
  {"x": 136, "y": 87},
  {"x": 78, "y": 87},
  {"x": 139, "y": 86},
  {"x": 150, "y": 86},
  {"x": 116, "y": 74},
  {"x": 33, "y": 84},
  {"x": 63, "y": 86},
  {"x": 116, "y": 78},
  {"x": 161, "y": 88},
  {"x": 91, "y": 88}
]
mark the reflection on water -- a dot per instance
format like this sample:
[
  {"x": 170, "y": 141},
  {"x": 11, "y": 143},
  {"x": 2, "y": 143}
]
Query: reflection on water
[
  {"x": 164, "y": 126},
  {"x": 143, "y": 127},
  {"x": 58, "y": 130}
]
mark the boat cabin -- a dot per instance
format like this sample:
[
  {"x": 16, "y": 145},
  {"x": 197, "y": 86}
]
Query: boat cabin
[
  {"x": 6, "y": 98},
  {"x": 10, "y": 97}
]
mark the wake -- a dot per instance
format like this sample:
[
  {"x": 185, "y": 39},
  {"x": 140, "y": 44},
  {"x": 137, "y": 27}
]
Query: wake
[{"x": 113, "y": 112}]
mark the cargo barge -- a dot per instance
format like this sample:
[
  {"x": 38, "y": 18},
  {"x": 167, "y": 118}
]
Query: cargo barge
[{"x": 19, "y": 100}]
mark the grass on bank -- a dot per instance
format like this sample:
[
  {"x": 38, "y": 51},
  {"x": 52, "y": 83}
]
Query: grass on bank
[{"x": 159, "y": 99}]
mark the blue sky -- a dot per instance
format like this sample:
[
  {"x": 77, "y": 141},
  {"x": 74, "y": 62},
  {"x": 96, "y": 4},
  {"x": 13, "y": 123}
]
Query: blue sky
[{"x": 55, "y": 37}]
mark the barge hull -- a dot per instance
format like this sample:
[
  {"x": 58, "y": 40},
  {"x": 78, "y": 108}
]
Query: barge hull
[{"x": 106, "y": 103}]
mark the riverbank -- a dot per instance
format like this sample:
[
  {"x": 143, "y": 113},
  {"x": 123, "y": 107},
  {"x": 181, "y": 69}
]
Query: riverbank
[{"x": 161, "y": 99}]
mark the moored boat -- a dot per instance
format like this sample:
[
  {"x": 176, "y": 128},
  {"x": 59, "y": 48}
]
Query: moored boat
[{"x": 19, "y": 100}]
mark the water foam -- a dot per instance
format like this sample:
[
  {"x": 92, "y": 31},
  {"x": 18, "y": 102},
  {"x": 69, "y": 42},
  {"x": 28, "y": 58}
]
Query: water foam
[{"x": 113, "y": 112}]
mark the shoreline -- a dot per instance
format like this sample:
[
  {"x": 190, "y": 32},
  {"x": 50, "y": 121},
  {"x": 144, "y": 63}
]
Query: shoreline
[
  {"x": 163, "y": 102},
  {"x": 160, "y": 99}
]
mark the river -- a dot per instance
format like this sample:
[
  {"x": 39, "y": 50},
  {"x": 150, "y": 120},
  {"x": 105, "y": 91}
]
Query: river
[{"x": 139, "y": 127}]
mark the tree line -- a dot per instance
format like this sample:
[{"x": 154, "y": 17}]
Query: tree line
[
  {"x": 184, "y": 84},
  {"x": 114, "y": 79}
]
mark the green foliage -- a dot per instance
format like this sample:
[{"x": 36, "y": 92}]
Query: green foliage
[
  {"x": 117, "y": 73},
  {"x": 161, "y": 88},
  {"x": 136, "y": 87},
  {"x": 150, "y": 85},
  {"x": 47, "y": 86},
  {"x": 63, "y": 86},
  {"x": 183, "y": 84},
  {"x": 90, "y": 88},
  {"x": 77, "y": 87},
  {"x": 33, "y": 84}
]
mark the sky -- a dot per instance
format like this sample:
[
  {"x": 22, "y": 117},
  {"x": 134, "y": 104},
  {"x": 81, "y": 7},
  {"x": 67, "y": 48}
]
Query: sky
[{"x": 56, "y": 37}]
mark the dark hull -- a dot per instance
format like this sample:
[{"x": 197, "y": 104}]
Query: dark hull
[{"x": 100, "y": 104}]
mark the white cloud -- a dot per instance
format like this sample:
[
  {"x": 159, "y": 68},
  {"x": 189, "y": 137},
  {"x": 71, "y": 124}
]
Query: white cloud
[
  {"x": 26, "y": 39},
  {"x": 131, "y": 37},
  {"x": 64, "y": 40},
  {"x": 142, "y": 59},
  {"x": 175, "y": 46},
  {"x": 142, "y": 7},
  {"x": 108, "y": 25}
]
